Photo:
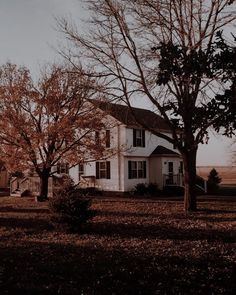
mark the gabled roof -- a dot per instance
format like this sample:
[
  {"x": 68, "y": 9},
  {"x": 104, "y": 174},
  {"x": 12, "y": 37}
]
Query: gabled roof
[
  {"x": 161, "y": 151},
  {"x": 124, "y": 115}
]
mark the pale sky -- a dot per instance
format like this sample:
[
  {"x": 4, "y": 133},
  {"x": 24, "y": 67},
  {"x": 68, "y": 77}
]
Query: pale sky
[{"x": 28, "y": 35}]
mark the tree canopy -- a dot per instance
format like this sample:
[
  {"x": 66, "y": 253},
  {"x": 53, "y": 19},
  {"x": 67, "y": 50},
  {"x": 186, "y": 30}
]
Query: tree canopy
[
  {"x": 160, "y": 52},
  {"x": 47, "y": 122},
  {"x": 225, "y": 102}
]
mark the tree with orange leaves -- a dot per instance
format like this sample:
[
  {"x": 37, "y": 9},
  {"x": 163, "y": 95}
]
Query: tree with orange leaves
[{"x": 46, "y": 122}]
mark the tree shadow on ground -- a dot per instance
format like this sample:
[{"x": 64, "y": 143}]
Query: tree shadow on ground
[
  {"x": 215, "y": 211},
  {"x": 53, "y": 268},
  {"x": 159, "y": 231},
  {"x": 23, "y": 210},
  {"x": 194, "y": 216},
  {"x": 35, "y": 224},
  {"x": 124, "y": 229}
]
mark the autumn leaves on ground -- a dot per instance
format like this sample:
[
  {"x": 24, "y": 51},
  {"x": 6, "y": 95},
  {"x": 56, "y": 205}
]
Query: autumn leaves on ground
[{"x": 132, "y": 246}]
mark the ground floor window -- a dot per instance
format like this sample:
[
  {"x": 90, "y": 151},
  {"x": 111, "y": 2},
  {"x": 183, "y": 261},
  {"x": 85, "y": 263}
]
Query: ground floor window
[
  {"x": 137, "y": 169},
  {"x": 103, "y": 170},
  {"x": 80, "y": 170},
  {"x": 181, "y": 167}
]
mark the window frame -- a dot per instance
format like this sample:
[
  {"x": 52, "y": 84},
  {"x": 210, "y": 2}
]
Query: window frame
[
  {"x": 103, "y": 170},
  {"x": 108, "y": 138},
  {"x": 138, "y": 137},
  {"x": 80, "y": 171},
  {"x": 62, "y": 168},
  {"x": 137, "y": 169}
]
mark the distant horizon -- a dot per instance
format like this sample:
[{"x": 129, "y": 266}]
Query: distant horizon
[{"x": 214, "y": 166}]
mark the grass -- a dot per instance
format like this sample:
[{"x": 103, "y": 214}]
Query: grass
[
  {"x": 226, "y": 191},
  {"x": 130, "y": 247}
]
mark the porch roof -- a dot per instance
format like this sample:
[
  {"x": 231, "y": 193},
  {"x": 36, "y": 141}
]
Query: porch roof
[{"x": 161, "y": 151}]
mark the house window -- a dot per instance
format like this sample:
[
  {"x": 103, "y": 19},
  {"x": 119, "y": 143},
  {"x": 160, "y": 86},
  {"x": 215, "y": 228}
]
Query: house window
[
  {"x": 137, "y": 169},
  {"x": 62, "y": 168},
  {"x": 104, "y": 139},
  {"x": 170, "y": 173},
  {"x": 103, "y": 170},
  {"x": 97, "y": 138},
  {"x": 181, "y": 167},
  {"x": 80, "y": 170},
  {"x": 138, "y": 138},
  {"x": 108, "y": 140}
]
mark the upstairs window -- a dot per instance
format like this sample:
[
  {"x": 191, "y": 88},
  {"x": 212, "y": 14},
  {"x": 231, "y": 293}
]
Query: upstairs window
[
  {"x": 138, "y": 138},
  {"x": 108, "y": 138},
  {"x": 97, "y": 138},
  {"x": 103, "y": 170},
  {"x": 62, "y": 168},
  {"x": 103, "y": 138},
  {"x": 137, "y": 169}
]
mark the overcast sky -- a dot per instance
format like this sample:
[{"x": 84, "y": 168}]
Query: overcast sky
[{"x": 28, "y": 35}]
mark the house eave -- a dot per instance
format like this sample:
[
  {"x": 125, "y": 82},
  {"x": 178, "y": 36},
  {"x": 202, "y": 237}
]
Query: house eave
[{"x": 165, "y": 155}]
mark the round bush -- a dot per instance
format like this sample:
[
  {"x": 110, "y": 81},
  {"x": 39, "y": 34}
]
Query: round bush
[{"x": 69, "y": 210}]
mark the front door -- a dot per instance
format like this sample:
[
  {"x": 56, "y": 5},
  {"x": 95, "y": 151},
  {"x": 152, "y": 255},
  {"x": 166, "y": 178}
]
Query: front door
[{"x": 170, "y": 172}]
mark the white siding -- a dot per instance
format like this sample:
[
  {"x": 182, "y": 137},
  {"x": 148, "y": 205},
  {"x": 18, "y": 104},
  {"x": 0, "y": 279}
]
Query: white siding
[
  {"x": 176, "y": 164},
  {"x": 73, "y": 172},
  {"x": 122, "y": 143},
  {"x": 151, "y": 142},
  {"x": 129, "y": 184},
  {"x": 156, "y": 171}
]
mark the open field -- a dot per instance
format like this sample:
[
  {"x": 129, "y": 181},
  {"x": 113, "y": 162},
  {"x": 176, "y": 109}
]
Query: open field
[
  {"x": 130, "y": 247},
  {"x": 226, "y": 173}
]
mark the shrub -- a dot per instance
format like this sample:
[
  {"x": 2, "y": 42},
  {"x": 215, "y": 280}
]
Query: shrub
[
  {"x": 173, "y": 191},
  {"x": 152, "y": 189},
  {"x": 200, "y": 185},
  {"x": 61, "y": 183},
  {"x": 213, "y": 181},
  {"x": 26, "y": 193},
  {"x": 140, "y": 189},
  {"x": 69, "y": 210}
]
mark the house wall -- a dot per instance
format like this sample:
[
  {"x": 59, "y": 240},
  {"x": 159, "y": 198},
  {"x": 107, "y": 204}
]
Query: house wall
[
  {"x": 176, "y": 164},
  {"x": 151, "y": 142},
  {"x": 156, "y": 171},
  {"x": 74, "y": 174},
  {"x": 4, "y": 179},
  {"x": 31, "y": 183},
  {"x": 122, "y": 144},
  {"x": 156, "y": 167},
  {"x": 116, "y": 182},
  {"x": 129, "y": 184}
]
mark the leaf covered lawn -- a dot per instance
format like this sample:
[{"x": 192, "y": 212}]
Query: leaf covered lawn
[{"x": 132, "y": 246}]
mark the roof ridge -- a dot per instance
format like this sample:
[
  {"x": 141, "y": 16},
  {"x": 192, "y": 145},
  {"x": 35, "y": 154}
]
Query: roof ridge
[{"x": 125, "y": 115}]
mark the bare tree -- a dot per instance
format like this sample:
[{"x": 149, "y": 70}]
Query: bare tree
[
  {"x": 46, "y": 123},
  {"x": 160, "y": 51}
]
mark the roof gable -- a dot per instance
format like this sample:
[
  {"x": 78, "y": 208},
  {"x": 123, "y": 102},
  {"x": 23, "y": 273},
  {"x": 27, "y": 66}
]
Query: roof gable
[{"x": 124, "y": 115}]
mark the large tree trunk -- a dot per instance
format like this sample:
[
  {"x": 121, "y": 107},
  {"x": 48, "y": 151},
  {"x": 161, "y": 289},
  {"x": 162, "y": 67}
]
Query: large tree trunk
[
  {"x": 189, "y": 160},
  {"x": 44, "y": 177}
]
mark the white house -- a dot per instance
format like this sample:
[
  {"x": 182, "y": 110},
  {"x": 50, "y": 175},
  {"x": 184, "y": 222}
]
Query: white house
[
  {"x": 141, "y": 157},
  {"x": 138, "y": 156}
]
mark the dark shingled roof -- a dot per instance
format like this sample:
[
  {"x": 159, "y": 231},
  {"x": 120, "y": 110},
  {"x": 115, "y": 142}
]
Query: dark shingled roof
[
  {"x": 123, "y": 114},
  {"x": 161, "y": 151}
]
